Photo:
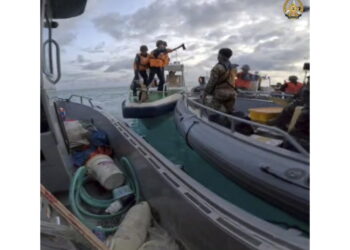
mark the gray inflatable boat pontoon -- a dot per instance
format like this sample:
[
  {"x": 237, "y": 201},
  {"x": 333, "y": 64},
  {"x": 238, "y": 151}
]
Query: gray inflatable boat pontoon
[{"x": 276, "y": 174}]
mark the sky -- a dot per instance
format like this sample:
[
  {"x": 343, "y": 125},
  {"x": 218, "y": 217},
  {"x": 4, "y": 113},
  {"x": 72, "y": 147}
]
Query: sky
[{"x": 98, "y": 47}]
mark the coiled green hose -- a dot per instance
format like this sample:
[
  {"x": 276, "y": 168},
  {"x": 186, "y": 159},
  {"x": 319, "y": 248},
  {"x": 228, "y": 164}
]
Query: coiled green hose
[{"x": 78, "y": 194}]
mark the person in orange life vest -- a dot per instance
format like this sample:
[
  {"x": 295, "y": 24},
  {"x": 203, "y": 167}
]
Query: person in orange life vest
[
  {"x": 157, "y": 62},
  {"x": 244, "y": 78},
  {"x": 293, "y": 86},
  {"x": 166, "y": 55},
  {"x": 141, "y": 64}
]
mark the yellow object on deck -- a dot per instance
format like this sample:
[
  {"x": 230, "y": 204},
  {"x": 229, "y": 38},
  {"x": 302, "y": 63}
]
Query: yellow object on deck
[{"x": 263, "y": 115}]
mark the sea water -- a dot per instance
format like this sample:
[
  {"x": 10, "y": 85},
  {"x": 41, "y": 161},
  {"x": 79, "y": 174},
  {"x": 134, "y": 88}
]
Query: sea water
[{"x": 162, "y": 134}]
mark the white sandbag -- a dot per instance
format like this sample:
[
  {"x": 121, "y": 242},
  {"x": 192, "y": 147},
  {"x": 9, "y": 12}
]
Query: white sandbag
[
  {"x": 158, "y": 239},
  {"x": 132, "y": 231},
  {"x": 76, "y": 133}
]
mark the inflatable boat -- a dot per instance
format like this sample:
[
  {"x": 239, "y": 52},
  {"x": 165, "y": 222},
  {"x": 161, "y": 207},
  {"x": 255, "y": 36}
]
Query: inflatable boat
[
  {"x": 167, "y": 188},
  {"x": 257, "y": 161},
  {"x": 157, "y": 102},
  {"x": 160, "y": 103},
  {"x": 196, "y": 217}
]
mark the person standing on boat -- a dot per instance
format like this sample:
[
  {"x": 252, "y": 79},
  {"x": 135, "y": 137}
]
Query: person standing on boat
[
  {"x": 221, "y": 83},
  {"x": 301, "y": 129},
  {"x": 245, "y": 78},
  {"x": 158, "y": 60},
  {"x": 293, "y": 86},
  {"x": 141, "y": 65},
  {"x": 200, "y": 88}
]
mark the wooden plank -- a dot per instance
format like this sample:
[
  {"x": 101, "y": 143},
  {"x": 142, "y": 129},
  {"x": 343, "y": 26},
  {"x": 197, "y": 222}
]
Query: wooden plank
[{"x": 72, "y": 220}]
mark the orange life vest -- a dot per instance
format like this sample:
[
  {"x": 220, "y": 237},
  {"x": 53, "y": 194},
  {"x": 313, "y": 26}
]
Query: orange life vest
[
  {"x": 240, "y": 83},
  {"x": 158, "y": 61},
  {"x": 161, "y": 60},
  {"x": 144, "y": 62},
  {"x": 293, "y": 88},
  {"x": 244, "y": 82},
  {"x": 166, "y": 59}
]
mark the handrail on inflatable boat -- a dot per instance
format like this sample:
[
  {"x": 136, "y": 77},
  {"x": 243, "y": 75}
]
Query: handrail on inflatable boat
[
  {"x": 254, "y": 93},
  {"x": 82, "y": 98},
  {"x": 232, "y": 119}
]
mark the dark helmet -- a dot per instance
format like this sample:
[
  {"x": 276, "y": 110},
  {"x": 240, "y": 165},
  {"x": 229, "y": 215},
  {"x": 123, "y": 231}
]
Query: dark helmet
[
  {"x": 165, "y": 43},
  {"x": 293, "y": 78},
  {"x": 245, "y": 67},
  {"x": 226, "y": 52},
  {"x": 159, "y": 42},
  {"x": 143, "y": 48}
]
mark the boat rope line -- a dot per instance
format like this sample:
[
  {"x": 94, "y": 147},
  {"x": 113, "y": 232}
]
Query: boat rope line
[{"x": 188, "y": 131}]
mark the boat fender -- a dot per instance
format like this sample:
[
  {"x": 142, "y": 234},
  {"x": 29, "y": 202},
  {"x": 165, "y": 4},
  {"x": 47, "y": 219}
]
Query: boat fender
[{"x": 188, "y": 131}]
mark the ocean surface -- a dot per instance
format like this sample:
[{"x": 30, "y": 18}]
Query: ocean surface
[{"x": 161, "y": 133}]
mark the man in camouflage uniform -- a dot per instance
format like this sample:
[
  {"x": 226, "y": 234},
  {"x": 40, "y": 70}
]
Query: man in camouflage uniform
[{"x": 221, "y": 83}]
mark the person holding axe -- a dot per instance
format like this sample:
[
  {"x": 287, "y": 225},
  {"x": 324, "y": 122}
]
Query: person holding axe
[{"x": 158, "y": 60}]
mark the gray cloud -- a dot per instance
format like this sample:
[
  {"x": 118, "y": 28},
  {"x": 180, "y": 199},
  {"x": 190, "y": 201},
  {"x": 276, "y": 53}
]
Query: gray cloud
[
  {"x": 80, "y": 59},
  {"x": 65, "y": 38},
  {"x": 120, "y": 65},
  {"x": 257, "y": 32},
  {"x": 99, "y": 48},
  {"x": 94, "y": 65}
]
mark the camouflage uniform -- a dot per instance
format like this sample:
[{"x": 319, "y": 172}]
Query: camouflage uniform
[{"x": 221, "y": 86}]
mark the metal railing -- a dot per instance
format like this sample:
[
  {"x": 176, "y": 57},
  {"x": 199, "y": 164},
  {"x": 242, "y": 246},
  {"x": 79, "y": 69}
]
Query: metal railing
[
  {"x": 267, "y": 94},
  {"x": 49, "y": 73},
  {"x": 82, "y": 98},
  {"x": 233, "y": 119}
]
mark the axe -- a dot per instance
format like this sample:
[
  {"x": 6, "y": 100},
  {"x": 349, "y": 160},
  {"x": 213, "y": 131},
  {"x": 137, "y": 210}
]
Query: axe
[{"x": 178, "y": 47}]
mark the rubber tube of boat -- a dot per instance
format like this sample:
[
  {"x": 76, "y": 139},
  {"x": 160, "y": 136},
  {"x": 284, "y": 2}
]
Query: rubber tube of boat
[
  {"x": 132, "y": 232},
  {"x": 104, "y": 170}
]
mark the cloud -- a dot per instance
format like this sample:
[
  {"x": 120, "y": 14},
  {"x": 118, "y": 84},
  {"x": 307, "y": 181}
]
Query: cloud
[
  {"x": 65, "y": 38},
  {"x": 99, "y": 48},
  {"x": 120, "y": 65},
  {"x": 80, "y": 59},
  {"x": 94, "y": 65},
  {"x": 257, "y": 31}
]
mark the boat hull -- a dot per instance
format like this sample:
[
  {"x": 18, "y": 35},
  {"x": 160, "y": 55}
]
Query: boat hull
[
  {"x": 150, "y": 110},
  {"x": 191, "y": 213},
  {"x": 266, "y": 171}
]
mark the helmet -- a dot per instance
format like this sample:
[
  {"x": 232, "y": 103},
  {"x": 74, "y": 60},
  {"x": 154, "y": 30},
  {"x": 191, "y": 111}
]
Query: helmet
[
  {"x": 143, "y": 48},
  {"x": 159, "y": 42},
  {"x": 245, "y": 67},
  {"x": 293, "y": 78},
  {"x": 226, "y": 52}
]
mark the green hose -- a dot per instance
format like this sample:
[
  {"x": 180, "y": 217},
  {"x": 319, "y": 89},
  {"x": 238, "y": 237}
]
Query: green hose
[{"x": 78, "y": 194}]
